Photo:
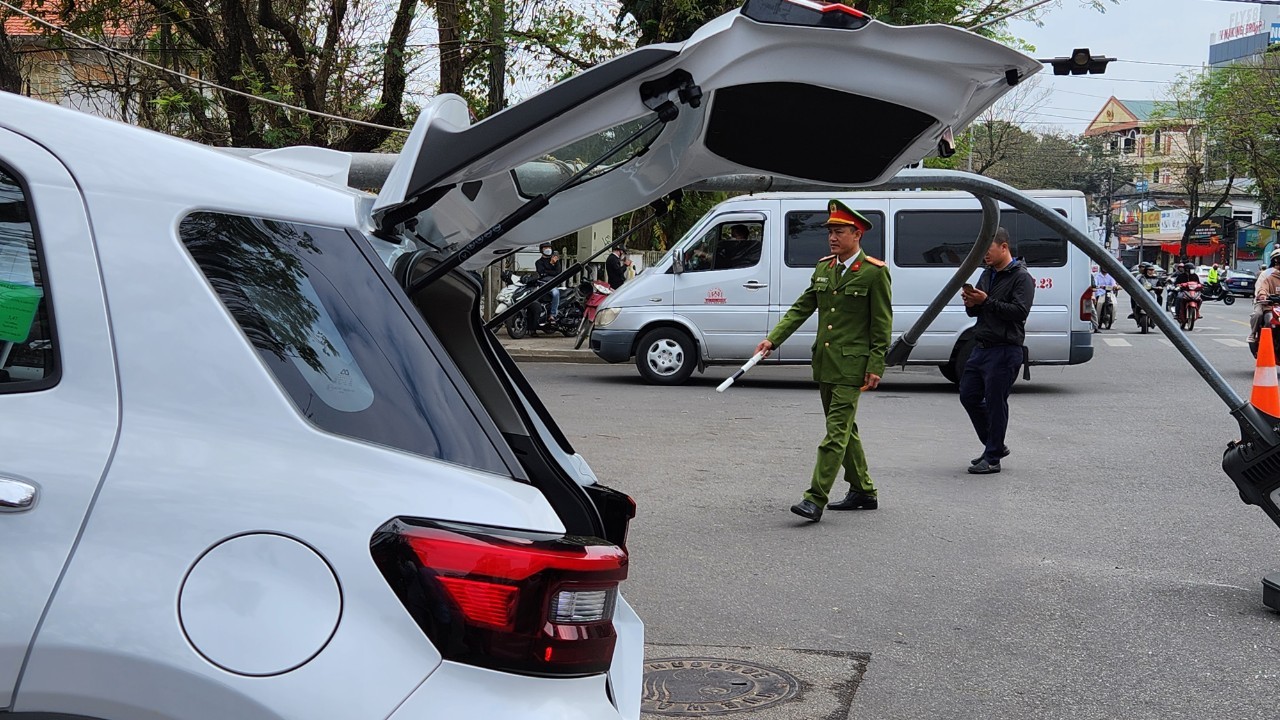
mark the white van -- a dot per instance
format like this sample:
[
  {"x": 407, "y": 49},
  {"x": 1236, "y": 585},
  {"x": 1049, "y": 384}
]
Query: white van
[{"x": 748, "y": 259}]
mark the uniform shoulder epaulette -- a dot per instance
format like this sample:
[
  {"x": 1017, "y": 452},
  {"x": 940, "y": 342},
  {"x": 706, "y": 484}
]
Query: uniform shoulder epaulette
[
  {"x": 825, "y": 258},
  {"x": 875, "y": 261}
]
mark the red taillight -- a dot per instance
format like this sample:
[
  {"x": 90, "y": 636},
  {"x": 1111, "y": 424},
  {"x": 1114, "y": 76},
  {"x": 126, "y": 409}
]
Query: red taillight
[
  {"x": 504, "y": 599},
  {"x": 1086, "y": 305}
]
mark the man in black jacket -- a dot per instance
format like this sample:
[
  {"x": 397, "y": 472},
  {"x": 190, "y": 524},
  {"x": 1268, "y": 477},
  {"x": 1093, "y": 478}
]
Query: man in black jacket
[
  {"x": 1001, "y": 302},
  {"x": 547, "y": 267},
  {"x": 616, "y": 266}
]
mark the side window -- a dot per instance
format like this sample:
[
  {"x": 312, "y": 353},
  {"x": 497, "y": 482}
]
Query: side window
[
  {"x": 807, "y": 237},
  {"x": 941, "y": 238},
  {"x": 333, "y": 335},
  {"x": 726, "y": 246},
  {"x": 27, "y": 351}
]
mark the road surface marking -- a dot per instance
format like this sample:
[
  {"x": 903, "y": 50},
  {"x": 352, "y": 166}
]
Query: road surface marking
[
  {"x": 1232, "y": 343},
  {"x": 1117, "y": 342}
]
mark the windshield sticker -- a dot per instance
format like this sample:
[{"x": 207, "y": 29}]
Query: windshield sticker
[
  {"x": 17, "y": 310},
  {"x": 715, "y": 296}
]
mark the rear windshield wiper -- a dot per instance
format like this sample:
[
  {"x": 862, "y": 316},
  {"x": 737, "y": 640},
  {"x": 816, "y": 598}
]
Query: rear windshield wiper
[{"x": 663, "y": 114}]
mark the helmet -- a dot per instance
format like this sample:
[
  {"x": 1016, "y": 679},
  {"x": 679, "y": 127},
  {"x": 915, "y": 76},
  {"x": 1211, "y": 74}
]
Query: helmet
[{"x": 1275, "y": 257}]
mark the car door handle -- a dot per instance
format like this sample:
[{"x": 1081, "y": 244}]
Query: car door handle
[
  {"x": 16, "y": 495},
  {"x": 753, "y": 285}
]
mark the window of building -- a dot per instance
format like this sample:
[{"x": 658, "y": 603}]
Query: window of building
[
  {"x": 726, "y": 246},
  {"x": 28, "y": 357},
  {"x": 942, "y": 238},
  {"x": 806, "y": 240},
  {"x": 1130, "y": 143},
  {"x": 1155, "y": 175},
  {"x": 1155, "y": 143},
  {"x": 350, "y": 359}
]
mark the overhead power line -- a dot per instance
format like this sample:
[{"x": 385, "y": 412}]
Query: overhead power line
[{"x": 113, "y": 51}]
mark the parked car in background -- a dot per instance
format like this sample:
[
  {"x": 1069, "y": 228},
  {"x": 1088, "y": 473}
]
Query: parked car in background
[{"x": 1240, "y": 283}]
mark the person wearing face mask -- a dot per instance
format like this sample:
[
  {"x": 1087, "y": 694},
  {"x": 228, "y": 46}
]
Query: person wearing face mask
[{"x": 548, "y": 266}]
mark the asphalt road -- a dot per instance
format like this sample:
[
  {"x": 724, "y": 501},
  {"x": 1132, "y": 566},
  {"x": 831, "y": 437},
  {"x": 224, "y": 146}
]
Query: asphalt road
[{"x": 1110, "y": 571}]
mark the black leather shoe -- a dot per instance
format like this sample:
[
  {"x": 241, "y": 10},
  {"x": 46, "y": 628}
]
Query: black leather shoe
[
  {"x": 855, "y": 500},
  {"x": 807, "y": 510},
  {"x": 1004, "y": 453},
  {"x": 984, "y": 468}
]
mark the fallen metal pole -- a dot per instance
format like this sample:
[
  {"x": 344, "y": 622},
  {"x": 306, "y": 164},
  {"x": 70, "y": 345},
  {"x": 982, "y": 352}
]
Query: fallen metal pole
[
  {"x": 901, "y": 348},
  {"x": 982, "y": 186}
]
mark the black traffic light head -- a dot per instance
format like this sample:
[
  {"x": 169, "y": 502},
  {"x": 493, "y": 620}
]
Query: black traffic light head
[{"x": 1080, "y": 62}]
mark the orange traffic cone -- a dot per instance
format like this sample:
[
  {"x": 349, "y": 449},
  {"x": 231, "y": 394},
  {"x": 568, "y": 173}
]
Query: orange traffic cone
[{"x": 1266, "y": 391}]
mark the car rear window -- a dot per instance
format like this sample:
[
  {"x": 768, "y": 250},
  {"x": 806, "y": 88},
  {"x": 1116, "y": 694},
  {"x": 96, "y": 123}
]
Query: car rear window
[
  {"x": 942, "y": 238},
  {"x": 807, "y": 237},
  {"x": 28, "y": 360},
  {"x": 328, "y": 328}
]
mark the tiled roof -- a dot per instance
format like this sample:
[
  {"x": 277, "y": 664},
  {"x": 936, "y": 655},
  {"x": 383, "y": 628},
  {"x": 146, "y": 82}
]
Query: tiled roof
[{"x": 17, "y": 25}]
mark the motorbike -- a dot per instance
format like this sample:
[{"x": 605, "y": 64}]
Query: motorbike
[
  {"x": 1187, "y": 304},
  {"x": 1217, "y": 291},
  {"x": 511, "y": 283},
  {"x": 1145, "y": 321},
  {"x": 600, "y": 290},
  {"x": 527, "y": 321},
  {"x": 1106, "y": 314},
  {"x": 533, "y": 319},
  {"x": 1270, "y": 318}
]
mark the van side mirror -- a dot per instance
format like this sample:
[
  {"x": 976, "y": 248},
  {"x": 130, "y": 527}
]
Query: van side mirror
[{"x": 677, "y": 263}]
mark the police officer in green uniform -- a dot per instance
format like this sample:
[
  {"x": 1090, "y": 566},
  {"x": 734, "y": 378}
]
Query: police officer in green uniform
[{"x": 851, "y": 292}]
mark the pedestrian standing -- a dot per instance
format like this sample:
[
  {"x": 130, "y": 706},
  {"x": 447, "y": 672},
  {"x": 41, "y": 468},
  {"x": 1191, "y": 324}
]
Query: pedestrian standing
[
  {"x": 616, "y": 265},
  {"x": 851, "y": 292},
  {"x": 1001, "y": 302}
]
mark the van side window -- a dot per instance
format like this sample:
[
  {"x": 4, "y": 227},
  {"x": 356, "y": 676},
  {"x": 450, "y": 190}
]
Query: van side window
[
  {"x": 941, "y": 238},
  {"x": 725, "y": 247},
  {"x": 27, "y": 352},
  {"x": 336, "y": 340},
  {"x": 807, "y": 237}
]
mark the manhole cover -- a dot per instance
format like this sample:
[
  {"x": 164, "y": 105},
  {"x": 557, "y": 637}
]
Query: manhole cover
[{"x": 690, "y": 687}]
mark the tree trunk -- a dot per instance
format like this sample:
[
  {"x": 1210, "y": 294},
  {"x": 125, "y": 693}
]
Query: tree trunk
[
  {"x": 10, "y": 76},
  {"x": 449, "y": 17}
]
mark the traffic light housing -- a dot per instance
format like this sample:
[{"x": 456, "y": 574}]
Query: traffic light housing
[{"x": 1079, "y": 62}]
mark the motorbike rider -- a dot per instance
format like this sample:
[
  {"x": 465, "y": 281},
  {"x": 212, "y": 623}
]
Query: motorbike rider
[
  {"x": 1186, "y": 273},
  {"x": 1146, "y": 278},
  {"x": 548, "y": 266},
  {"x": 1102, "y": 281},
  {"x": 1268, "y": 283},
  {"x": 1213, "y": 279}
]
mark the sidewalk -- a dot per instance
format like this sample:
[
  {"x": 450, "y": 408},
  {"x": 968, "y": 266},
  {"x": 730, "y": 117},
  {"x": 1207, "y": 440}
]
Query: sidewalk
[{"x": 547, "y": 348}]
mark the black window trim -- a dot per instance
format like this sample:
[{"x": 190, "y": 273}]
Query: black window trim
[
  {"x": 55, "y": 376},
  {"x": 1066, "y": 258}
]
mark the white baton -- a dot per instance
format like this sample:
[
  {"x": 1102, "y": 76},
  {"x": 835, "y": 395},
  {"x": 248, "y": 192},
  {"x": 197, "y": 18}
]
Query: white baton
[{"x": 750, "y": 364}]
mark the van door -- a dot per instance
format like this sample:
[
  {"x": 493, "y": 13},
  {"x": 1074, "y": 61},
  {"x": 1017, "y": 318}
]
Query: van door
[
  {"x": 58, "y": 394},
  {"x": 723, "y": 290},
  {"x": 804, "y": 242}
]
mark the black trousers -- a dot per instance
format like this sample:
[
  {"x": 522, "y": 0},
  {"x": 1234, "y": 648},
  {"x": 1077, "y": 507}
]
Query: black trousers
[{"x": 984, "y": 393}]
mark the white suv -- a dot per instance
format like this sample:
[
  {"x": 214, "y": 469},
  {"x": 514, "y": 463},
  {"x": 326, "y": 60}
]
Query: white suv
[{"x": 261, "y": 459}]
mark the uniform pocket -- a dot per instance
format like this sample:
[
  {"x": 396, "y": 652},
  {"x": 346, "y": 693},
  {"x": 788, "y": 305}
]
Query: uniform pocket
[
  {"x": 856, "y": 350},
  {"x": 858, "y": 291}
]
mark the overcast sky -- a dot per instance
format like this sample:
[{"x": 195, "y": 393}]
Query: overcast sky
[{"x": 1173, "y": 32}]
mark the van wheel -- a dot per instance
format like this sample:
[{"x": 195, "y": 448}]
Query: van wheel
[
  {"x": 665, "y": 356},
  {"x": 959, "y": 358}
]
